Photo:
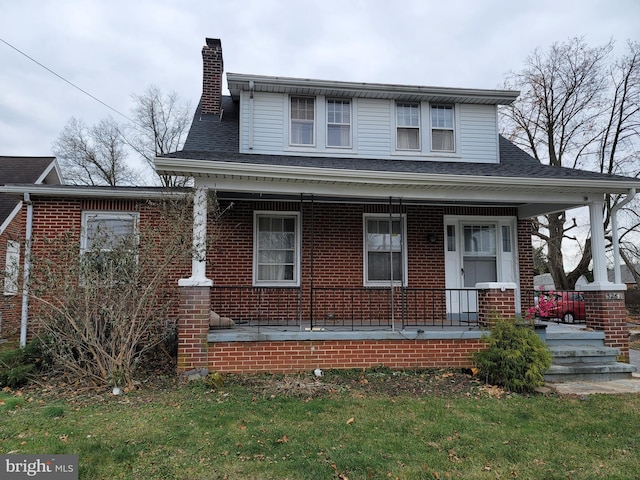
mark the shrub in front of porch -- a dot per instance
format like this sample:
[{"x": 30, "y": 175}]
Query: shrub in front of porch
[{"x": 515, "y": 358}]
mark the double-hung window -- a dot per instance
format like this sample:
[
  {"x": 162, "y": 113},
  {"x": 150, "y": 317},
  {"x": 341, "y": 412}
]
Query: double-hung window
[
  {"x": 442, "y": 131},
  {"x": 385, "y": 250},
  {"x": 276, "y": 249},
  {"x": 338, "y": 123},
  {"x": 12, "y": 268},
  {"x": 109, "y": 241},
  {"x": 408, "y": 126},
  {"x": 302, "y": 120}
]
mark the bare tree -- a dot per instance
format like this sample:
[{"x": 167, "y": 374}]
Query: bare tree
[
  {"x": 578, "y": 110},
  {"x": 94, "y": 155},
  {"x": 162, "y": 123}
]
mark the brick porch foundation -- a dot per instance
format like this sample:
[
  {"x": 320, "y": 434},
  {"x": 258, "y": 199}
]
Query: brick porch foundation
[
  {"x": 193, "y": 327},
  {"x": 605, "y": 311},
  {"x": 297, "y": 356}
]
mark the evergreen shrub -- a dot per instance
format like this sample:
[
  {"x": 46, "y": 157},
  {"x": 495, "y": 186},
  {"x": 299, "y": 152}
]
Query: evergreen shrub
[{"x": 516, "y": 358}]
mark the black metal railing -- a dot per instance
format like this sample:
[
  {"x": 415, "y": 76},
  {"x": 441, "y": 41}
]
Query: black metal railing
[
  {"x": 347, "y": 308},
  {"x": 260, "y": 306}
]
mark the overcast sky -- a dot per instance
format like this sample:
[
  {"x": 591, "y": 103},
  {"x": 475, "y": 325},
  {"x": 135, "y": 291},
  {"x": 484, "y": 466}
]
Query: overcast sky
[{"x": 113, "y": 49}]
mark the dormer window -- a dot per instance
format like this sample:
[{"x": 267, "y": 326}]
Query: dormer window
[
  {"x": 408, "y": 126},
  {"x": 338, "y": 123},
  {"x": 442, "y": 137},
  {"x": 302, "y": 120}
]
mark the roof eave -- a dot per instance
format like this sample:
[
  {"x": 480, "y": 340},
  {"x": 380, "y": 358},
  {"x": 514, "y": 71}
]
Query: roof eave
[
  {"x": 237, "y": 82},
  {"x": 44, "y": 190},
  {"x": 205, "y": 168}
]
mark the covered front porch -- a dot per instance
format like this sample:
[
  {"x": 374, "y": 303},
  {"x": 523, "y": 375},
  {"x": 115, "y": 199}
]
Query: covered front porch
[{"x": 330, "y": 317}]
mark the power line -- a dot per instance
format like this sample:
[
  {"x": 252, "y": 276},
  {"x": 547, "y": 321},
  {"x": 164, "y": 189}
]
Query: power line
[{"x": 67, "y": 81}]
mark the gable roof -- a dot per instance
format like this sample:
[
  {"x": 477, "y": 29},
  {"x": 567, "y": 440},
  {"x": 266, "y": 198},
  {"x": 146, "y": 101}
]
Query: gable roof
[{"x": 30, "y": 170}]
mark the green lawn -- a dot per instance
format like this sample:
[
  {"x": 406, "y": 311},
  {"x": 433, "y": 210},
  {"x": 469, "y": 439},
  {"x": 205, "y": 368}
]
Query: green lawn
[{"x": 355, "y": 425}]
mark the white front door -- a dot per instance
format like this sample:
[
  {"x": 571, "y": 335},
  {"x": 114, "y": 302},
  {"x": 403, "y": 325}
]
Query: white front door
[{"x": 476, "y": 251}]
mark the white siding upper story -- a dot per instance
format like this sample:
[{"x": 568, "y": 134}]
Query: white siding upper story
[{"x": 370, "y": 131}]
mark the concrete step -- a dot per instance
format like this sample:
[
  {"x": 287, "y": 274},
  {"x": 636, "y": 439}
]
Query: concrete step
[
  {"x": 569, "y": 354},
  {"x": 578, "y": 338},
  {"x": 593, "y": 372}
]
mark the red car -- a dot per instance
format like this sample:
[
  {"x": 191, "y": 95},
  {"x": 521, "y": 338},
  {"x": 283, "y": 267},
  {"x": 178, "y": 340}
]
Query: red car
[{"x": 567, "y": 306}]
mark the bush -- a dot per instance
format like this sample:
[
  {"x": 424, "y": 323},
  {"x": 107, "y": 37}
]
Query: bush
[
  {"x": 516, "y": 357},
  {"x": 18, "y": 366}
]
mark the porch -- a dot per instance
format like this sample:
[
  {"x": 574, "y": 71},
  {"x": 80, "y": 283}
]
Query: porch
[{"x": 333, "y": 314}]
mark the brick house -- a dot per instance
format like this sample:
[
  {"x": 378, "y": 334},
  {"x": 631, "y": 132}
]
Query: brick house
[
  {"x": 17, "y": 170},
  {"x": 356, "y": 224}
]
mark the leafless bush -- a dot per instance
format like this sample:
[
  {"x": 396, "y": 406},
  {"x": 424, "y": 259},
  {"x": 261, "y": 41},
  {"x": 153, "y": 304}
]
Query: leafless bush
[{"x": 106, "y": 305}]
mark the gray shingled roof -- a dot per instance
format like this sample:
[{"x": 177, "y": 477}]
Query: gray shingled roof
[
  {"x": 19, "y": 170},
  {"x": 216, "y": 139}
]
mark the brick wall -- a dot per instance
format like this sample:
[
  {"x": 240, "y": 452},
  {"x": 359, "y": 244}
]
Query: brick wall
[
  {"x": 57, "y": 228},
  {"x": 11, "y": 305},
  {"x": 606, "y": 311},
  {"x": 494, "y": 303},
  {"x": 193, "y": 326},
  {"x": 296, "y": 356},
  {"x": 525, "y": 264},
  {"x": 334, "y": 238}
]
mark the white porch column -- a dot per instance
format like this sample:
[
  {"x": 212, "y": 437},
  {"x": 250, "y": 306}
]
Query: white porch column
[
  {"x": 198, "y": 262},
  {"x": 596, "y": 219}
]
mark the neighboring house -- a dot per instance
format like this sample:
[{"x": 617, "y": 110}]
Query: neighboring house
[
  {"x": 544, "y": 281},
  {"x": 362, "y": 223},
  {"x": 17, "y": 170},
  {"x": 626, "y": 276}
]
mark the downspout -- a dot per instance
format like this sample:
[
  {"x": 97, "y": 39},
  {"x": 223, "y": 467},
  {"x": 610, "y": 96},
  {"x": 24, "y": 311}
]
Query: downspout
[
  {"x": 614, "y": 235},
  {"x": 251, "y": 88},
  {"x": 26, "y": 271}
]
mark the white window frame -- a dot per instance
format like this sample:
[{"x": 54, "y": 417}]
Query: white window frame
[
  {"x": 349, "y": 104},
  {"x": 401, "y": 126},
  {"x": 303, "y": 121},
  {"x": 451, "y": 129},
  {"x": 295, "y": 282},
  {"x": 12, "y": 270},
  {"x": 90, "y": 215},
  {"x": 403, "y": 250}
]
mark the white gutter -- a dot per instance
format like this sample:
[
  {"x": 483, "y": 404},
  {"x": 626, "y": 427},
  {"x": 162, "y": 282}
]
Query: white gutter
[
  {"x": 27, "y": 271},
  {"x": 615, "y": 239},
  {"x": 133, "y": 193}
]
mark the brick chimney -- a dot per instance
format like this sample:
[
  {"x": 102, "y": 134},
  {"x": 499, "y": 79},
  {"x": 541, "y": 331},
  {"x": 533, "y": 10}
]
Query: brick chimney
[{"x": 212, "y": 76}]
